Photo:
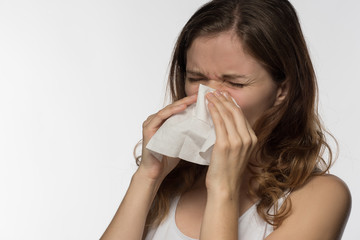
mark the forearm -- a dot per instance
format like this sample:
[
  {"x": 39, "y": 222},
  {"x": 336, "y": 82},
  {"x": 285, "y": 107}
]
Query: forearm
[
  {"x": 220, "y": 218},
  {"x": 129, "y": 220}
]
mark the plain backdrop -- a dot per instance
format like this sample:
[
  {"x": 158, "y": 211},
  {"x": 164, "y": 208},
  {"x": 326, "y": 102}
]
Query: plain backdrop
[{"x": 78, "y": 78}]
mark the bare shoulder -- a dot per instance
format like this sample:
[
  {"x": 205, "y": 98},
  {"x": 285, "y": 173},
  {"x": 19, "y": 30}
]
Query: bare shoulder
[
  {"x": 319, "y": 210},
  {"x": 325, "y": 184},
  {"x": 319, "y": 190}
]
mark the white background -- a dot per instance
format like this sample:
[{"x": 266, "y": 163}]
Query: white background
[{"x": 78, "y": 78}]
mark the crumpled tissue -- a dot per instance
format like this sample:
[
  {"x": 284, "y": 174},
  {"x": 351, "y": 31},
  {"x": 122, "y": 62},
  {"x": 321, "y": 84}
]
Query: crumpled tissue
[{"x": 188, "y": 135}]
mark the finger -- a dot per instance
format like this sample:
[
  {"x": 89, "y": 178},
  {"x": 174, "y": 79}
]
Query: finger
[
  {"x": 248, "y": 139},
  {"x": 146, "y": 122},
  {"x": 252, "y": 133},
  {"x": 186, "y": 100},
  {"x": 241, "y": 122},
  {"x": 228, "y": 119},
  {"x": 161, "y": 116},
  {"x": 242, "y": 127},
  {"x": 248, "y": 127},
  {"x": 158, "y": 119},
  {"x": 219, "y": 125}
]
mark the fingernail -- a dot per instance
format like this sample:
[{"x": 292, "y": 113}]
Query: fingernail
[
  {"x": 225, "y": 94},
  {"x": 217, "y": 93},
  {"x": 211, "y": 94}
]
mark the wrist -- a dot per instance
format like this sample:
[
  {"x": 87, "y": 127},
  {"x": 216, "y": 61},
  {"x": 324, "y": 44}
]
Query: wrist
[
  {"x": 224, "y": 195},
  {"x": 224, "y": 207},
  {"x": 224, "y": 191},
  {"x": 143, "y": 178}
]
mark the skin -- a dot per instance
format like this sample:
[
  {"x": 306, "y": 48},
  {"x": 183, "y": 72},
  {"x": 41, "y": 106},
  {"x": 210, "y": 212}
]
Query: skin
[
  {"x": 209, "y": 61},
  {"x": 212, "y": 208},
  {"x": 220, "y": 62}
]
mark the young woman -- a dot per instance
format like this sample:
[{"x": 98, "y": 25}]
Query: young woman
[{"x": 267, "y": 178}]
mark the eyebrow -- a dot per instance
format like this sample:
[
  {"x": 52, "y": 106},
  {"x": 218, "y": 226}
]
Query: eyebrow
[
  {"x": 196, "y": 73},
  {"x": 226, "y": 76},
  {"x": 234, "y": 76}
]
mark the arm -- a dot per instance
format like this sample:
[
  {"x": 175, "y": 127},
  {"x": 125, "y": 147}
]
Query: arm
[
  {"x": 235, "y": 140},
  {"x": 129, "y": 220},
  {"x": 133, "y": 209},
  {"x": 320, "y": 210},
  {"x": 220, "y": 218}
]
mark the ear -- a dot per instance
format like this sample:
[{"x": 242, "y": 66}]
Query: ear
[{"x": 281, "y": 93}]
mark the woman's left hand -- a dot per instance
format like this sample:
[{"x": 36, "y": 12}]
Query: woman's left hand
[{"x": 235, "y": 141}]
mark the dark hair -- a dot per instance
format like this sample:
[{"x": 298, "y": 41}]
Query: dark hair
[{"x": 291, "y": 138}]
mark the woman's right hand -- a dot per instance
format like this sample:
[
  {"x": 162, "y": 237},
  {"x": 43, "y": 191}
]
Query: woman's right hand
[{"x": 150, "y": 166}]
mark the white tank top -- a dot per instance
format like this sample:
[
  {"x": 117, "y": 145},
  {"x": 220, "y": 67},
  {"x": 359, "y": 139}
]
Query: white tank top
[{"x": 251, "y": 225}]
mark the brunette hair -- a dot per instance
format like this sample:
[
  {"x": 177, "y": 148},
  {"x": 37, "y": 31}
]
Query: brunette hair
[{"x": 291, "y": 138}]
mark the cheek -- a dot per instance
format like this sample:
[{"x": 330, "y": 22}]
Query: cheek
[
  {"x": 191, "y": 89},
  {"x": 240, "y": 98},
  {"x": 252, "y": 105}
]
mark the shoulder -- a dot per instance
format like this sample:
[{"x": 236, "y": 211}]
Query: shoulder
[
  {"x": 322, "y": 190},
  {"x": 319, "y": 210},
  {"x": 325, "y": 182}
]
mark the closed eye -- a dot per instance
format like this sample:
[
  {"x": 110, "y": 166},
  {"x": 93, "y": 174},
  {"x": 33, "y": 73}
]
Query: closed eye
[{"x": 240, "y": 85}]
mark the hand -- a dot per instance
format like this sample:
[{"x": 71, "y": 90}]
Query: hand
[
  {"x": 150, "y": 166},
  {"x": 235, "y": 141}
]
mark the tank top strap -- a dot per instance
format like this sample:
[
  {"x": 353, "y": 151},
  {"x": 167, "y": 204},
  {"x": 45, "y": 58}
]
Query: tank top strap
[
  {"x": 173, "y": 225},
  {"x": 281, "y": 201},
  {"x": 173, "y": 205}
]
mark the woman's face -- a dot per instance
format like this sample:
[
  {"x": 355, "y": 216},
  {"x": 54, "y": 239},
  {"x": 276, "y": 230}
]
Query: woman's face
[{"x": 221, "y": 63}]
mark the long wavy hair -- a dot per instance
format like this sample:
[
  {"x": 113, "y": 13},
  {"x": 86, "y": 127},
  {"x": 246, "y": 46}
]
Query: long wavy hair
[{"x": 291, "y": 137}]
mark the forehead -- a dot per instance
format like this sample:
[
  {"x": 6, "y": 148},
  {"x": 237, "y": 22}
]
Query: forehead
[{"x": 220, "y": 54}]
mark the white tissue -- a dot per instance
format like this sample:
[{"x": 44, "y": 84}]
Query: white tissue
[{"x": 189, "y": 135}]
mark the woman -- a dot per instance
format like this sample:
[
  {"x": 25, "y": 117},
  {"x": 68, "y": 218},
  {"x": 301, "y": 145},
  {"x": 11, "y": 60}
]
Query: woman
[{"x": 267, "y": 178}]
